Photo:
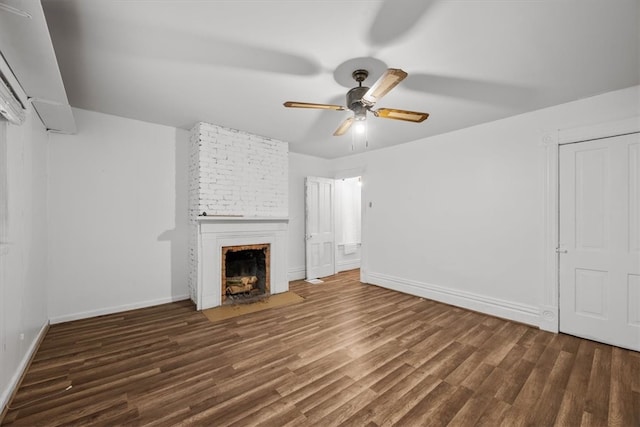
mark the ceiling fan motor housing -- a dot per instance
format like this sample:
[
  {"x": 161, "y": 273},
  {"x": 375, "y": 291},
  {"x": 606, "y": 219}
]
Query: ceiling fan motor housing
[{"x": 354, "y": 100}]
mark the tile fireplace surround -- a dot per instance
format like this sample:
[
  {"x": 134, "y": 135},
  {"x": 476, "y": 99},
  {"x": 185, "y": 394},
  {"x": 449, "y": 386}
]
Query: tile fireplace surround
[{"x": 216, "y": 232}]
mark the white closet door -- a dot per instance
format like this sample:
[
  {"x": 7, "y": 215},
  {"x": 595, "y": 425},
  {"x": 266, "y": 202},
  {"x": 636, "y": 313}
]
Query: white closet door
[{"x": 600, "y": 240}]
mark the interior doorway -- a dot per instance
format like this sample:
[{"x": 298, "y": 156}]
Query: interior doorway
[
  {"x": 348, "y": 223},
  {"x": 333, "y": 225}
]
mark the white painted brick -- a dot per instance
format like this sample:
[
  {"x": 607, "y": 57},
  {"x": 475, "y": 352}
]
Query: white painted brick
[{"x": 232, "y": 172}]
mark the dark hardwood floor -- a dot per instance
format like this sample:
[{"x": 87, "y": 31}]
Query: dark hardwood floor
[{"x": 350, "y": 354}]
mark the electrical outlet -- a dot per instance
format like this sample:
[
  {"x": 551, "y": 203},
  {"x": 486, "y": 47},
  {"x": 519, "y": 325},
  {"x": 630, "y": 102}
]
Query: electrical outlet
[{"x": 21, "y": 337}]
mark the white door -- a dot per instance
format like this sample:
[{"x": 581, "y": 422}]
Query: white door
[
  {"x": 320, "y": 234},
  {"x": 600, "y": 240}
]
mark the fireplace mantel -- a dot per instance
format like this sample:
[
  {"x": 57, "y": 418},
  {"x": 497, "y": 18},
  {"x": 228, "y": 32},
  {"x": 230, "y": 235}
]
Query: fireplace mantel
[
  {"x": 216, "y": 218},
  {"x": 216, "y": 232}
]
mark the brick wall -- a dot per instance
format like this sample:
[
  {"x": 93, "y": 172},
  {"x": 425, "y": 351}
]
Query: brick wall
[{"x": 234, "y": 173}]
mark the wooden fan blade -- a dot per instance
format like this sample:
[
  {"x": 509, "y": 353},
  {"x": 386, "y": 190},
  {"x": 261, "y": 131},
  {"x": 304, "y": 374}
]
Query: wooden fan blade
[
  {"x": 344, "y": 126},
  {"x": 409, "y": 116},
  {"x": 385, "y": 83},
  {"x": 292, "y": 104}
]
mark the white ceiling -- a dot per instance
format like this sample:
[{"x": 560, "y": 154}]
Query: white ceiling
[{"x": 233, "y": 63}]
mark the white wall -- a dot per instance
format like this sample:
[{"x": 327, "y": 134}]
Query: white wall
[
  {"x": 301, "y": 166},
  {"x": 23, "y": 262},
  {"x": 460, "y": 217},
  {"x": 118, "y": 215}
]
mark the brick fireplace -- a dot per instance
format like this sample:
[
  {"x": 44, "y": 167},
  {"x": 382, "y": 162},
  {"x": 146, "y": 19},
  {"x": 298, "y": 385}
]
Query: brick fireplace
[{"x": 238, "y": 207}]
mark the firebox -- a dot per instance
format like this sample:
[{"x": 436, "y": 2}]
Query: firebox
[{"x": 245, "y": 273}]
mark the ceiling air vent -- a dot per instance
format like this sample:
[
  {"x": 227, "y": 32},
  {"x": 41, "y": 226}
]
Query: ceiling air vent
[
  {"x": 13, "y": 100},
  {"x": 10, "y": 107}
]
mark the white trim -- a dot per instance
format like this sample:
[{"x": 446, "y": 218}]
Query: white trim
[
  {"x": 364, "y": 275},
  {"x": 348, "y": 265},
  {"x": 549, "y": 308},
  {"x": 231, "y": 219},
  {"x": 297, "y": 273},
  {"x": 117, "y": 309},
  {"x": 493, "y": 306},
  {"x": 8, "y": 392},
  {"x": 600, "y": 130},
  {"x": 549, "y": 320},
  {"x": 348, "y": 173}
]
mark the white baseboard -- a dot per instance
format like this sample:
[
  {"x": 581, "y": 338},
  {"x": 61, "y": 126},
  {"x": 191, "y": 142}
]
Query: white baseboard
[
  {"x": 297, "y": 273},
  {"x": 496, "y": 307},
  {"x": 348, "y": 265},
  {"x": 364, "y": 275},
  {"x": 13, "y": 384},
  {"x": 117, "y": 309},
  {"x": 549, "y": 318}
]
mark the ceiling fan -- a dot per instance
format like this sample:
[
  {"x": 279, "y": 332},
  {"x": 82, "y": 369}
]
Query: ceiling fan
[{"x": 361, "y": 99}]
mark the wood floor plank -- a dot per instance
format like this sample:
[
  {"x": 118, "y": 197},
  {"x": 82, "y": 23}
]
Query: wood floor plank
[
  {"x": 621, "y": 410},
  {"x": 365, "y": 365},
  {"x": 318, "y": 398},
  {"x": 494, "y": 414},
  {"x": 339, "y": 415},
  {"x": 295, "y": 391},
  {"x": 516, "y": 377},
  {"x": 545, "y": 410},
  {"x": 399, "y": 407},
  {"x": 572, "y": 406},
  {"x": 468, "y": 414},
  {"x": 427, "y": 408},
  {"x": 380, "y": 409},
  {"x": 387, "y": 381},
  {"x": 598, "y": 393},
  {"x": 328, "y": 406},
  {"x": 349, "y": 354},
  {"x": 477, "y": 376}
]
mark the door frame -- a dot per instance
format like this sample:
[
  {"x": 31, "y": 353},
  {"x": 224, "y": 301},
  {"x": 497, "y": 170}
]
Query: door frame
[{"x": 551, "y": 142}]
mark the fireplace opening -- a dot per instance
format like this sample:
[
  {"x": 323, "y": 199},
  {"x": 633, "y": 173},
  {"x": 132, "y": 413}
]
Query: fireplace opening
[{"x": 245, "y": 273}]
